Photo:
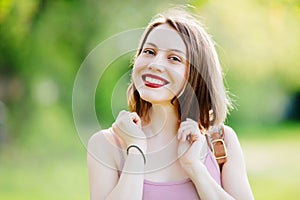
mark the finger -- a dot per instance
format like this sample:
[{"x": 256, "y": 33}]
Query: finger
[
  {"x": 190, "y": 133},
  {"x": 194, "y": 127},
  {"x": 136, "y": 119},
  {"x": 121, "y": 121},
  {"x": 185, "y": 130},
  {"x": 182, "y": 128},
  {"x": 122, "y": 113},
  {"x": 200, "y": 138},
  {"x": 195, "y": 123},
  {"x": 193, "y": 138},
  {"x": 115, "y": 125},
  {"x": 184, "y": 123},
  {"x": 191, "y": 120},
  {"x": 185, "y": 134},
  {"x": 188, "y": 127}
]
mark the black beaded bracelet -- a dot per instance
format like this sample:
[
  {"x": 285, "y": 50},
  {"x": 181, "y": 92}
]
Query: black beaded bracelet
[{"x": 138, "y": 148}]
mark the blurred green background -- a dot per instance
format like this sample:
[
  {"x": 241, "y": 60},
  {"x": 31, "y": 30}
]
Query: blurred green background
[{"x": 43, "y": 43}]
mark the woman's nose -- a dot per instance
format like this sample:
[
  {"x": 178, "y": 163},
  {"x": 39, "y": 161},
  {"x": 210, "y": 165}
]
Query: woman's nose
[{"x": 157, "y": 63}]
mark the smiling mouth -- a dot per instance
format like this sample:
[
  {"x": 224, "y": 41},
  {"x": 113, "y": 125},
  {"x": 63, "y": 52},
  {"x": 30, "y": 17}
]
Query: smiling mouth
[{"x": 154, "y": 81}]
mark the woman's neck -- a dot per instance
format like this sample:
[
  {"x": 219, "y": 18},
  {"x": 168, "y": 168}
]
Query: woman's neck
[{"x": 164, "y": 119}]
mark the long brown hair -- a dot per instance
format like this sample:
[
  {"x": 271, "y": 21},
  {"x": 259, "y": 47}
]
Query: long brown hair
[{"x": 204, "y": 98}]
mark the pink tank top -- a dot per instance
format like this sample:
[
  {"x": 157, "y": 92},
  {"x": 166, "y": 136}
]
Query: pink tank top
[{"x": 176, "y": 190}]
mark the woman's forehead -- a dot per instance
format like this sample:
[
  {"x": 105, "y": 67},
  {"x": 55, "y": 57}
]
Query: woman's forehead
[{"x": 167, "y": 38}]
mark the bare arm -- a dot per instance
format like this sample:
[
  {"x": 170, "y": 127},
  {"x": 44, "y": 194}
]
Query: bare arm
[
  {"x": 131, "y": 182},
  {"x": 234, "y": 174},
  {"x": 206, "y": 186},
  {"x": 234, "y": 177},
  {"x": 103, "y": 176}
]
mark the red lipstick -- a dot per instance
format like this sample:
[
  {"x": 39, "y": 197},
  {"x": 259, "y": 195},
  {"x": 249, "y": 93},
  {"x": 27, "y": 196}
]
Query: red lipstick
[{"x": 154, "y": 81}]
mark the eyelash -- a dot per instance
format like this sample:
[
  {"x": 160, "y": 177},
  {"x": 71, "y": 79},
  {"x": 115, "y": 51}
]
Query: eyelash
[
  {"x": 152, "y": 52},
  {"x": 175, "y": 58},
  {"x": 148, "y": 51}
]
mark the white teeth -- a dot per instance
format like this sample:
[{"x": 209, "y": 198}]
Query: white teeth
[{"x": 154, "y": 81}]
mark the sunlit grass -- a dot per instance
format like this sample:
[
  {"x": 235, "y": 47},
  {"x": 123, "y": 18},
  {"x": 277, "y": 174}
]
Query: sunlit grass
[
  {"x": 32, "y": 176},
  {"x": 273, "y": 163},
  {"x": 47, "y": 162}
]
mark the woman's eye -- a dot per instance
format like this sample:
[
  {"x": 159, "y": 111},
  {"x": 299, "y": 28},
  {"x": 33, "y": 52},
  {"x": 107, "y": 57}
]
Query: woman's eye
[
  {"x": 175, "y": 58},
  {"x": 148, "y": 51}
]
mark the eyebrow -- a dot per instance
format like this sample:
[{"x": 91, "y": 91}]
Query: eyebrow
[{"x": 176, "y": 50}]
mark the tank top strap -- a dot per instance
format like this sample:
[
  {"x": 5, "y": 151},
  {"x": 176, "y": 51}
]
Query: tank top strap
[{"x": 121, "y": 155}]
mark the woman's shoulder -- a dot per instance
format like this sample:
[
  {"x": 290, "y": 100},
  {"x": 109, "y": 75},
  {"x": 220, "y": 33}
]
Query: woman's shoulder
[
  {"x": 103, "y": 147},
  {"x": 101, "y": 135},
  {"x": 230, "y": 135},
  {"x": 233, "y": 146},
  {"x": 103, "y": 139}
]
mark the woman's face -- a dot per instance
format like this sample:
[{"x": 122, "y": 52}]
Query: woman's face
[{"x": 160, "y": 71}]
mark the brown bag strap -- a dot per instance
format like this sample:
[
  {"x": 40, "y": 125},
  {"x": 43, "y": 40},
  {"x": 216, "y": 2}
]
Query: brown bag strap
[{"x": 216, "y": 142}]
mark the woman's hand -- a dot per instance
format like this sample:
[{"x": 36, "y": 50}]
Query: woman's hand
[
  {"x": 128, "y": 127},
  {"x": 192, "y": 146}
]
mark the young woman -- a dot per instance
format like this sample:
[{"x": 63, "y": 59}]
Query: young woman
[{"x": 161, "y": 148}]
